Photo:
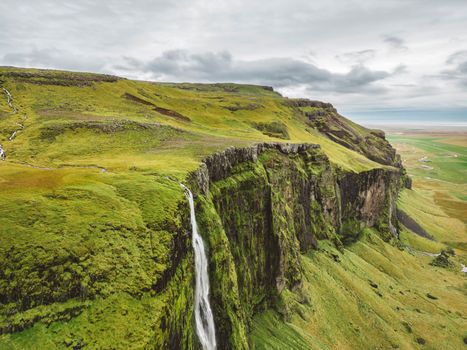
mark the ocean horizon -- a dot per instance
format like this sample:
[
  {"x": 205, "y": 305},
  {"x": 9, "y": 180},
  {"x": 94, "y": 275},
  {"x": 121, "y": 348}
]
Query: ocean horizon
[{"x": 447, "y": 120}]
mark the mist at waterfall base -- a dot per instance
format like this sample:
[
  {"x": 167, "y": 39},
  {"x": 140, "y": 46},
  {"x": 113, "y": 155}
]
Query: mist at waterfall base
[{"x": 203, "y": 313}]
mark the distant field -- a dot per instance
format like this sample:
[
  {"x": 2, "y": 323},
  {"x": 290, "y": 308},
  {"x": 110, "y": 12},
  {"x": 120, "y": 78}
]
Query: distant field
[
  {"x": 436, "y": 156},
  {"x": 437, "y": 164}
]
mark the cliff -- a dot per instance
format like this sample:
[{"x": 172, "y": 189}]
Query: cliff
[{"x": 260, "y": 208}]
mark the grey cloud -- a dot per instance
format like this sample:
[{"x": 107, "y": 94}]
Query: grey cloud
[
  {"x": 400, "y": 69},
  {"x": 53, "y": 58},
  {"x": 457, "y": 57},
  {"x": 181, "y": 65},
  {"x": 458, "y": 70},
  {"x": 395, "y": 42},
  {"x": 359, "y": 57}
]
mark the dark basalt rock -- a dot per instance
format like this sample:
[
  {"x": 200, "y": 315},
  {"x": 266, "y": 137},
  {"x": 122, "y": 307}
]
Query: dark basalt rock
[{"x": 219, "y": 165}]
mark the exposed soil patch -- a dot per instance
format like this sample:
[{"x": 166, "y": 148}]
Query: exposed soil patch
[
  {"x": 62, "y": 166},
  {"x": 172, "y": 114},
  {"x": 137, "y": 99},
  {"x": 240, "y": 107},
  {"x": 161, "y": 110}
]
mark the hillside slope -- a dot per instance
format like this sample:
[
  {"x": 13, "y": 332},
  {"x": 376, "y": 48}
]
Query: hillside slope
[{"x": 95, "y": 242}]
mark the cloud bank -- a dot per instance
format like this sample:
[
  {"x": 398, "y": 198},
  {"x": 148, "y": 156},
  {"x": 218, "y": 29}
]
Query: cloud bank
[{"x": 280, "y": 72}]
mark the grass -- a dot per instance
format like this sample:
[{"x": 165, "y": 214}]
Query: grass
[
  {"x": 371, "y": 296},
  {"x": 421, "y": 206},
  {"x": 419, "y": 243},
  {"x": 271, "y": 332}
]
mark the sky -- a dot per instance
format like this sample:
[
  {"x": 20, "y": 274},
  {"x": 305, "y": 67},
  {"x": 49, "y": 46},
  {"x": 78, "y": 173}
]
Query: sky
[{"x": 371, "y": 59}]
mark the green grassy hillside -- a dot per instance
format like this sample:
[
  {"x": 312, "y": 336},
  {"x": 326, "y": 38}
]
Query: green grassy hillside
[
  {"x": 84, "y": 119},
  {"x": 90, "y": 223},
  {"x": 362, "y": 299}
]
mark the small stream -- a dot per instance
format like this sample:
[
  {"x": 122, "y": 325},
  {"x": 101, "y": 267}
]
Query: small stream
[{"x": 9, "y": 99}]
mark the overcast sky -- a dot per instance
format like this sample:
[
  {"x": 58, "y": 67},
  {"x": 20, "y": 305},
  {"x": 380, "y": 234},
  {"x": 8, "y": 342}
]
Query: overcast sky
[{"x": 366, "y": 57}]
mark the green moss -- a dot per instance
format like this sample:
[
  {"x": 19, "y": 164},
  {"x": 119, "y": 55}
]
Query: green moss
[
  {"x": 119, "y": 321},
  {"x": 229, "y": 310}
]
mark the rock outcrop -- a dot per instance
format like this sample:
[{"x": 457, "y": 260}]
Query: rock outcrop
[{"x": 371, "y": 143}]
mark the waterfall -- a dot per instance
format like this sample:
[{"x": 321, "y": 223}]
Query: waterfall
[{"x": 203, "y": 313}]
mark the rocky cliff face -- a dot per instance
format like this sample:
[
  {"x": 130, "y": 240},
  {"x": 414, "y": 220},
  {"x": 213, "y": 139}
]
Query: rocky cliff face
[
  {"x": 260, "y": 207},
  {"x": 369, "y": 142}
]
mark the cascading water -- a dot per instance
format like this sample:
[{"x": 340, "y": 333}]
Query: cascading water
[{"x": 203, "y": 313}]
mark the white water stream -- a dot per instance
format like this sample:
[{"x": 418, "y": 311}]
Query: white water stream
[
  {"x": 9, "y": 99},
  {"x": 203, "y": 313}
]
